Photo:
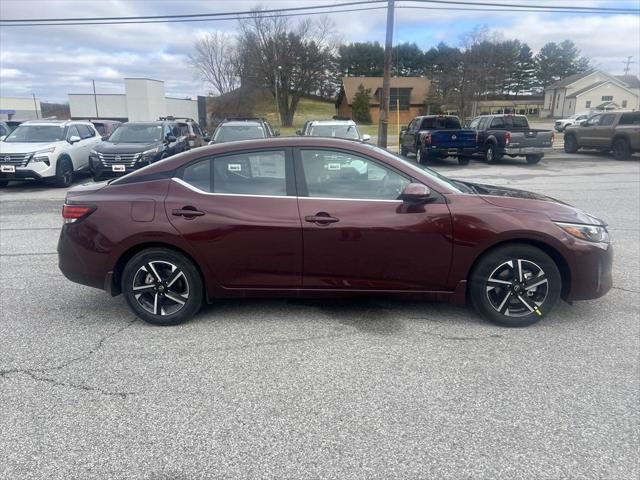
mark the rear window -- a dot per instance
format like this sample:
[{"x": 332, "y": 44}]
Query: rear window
[
  {"x": 510, "y": 122},
  {"x": 630, "y": 119},
  {"x": 434, "y": 123}
]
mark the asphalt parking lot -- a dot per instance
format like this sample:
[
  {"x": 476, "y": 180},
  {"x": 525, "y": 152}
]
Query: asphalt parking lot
[{"x": 321, "y": 389}]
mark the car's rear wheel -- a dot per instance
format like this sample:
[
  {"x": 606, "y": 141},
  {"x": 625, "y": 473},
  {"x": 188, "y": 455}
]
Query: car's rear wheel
[
  {"x": 515, "y": 285},
  {"x": 621, "y": 149},
  {"x": 4, "y": 183},
  {"x": 162, "y": 286},
  {"x": 533, "y": 159},
  {"x": 403, "y": 151},
  {"x": 570, "y": 144},
  {"x": 64, "y": 173},
  {"x": 421, "y": 156},
  {"x": 491, "y": 154}
]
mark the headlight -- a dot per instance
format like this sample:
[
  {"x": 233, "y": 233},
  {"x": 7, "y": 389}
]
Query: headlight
[
  {"x": 150, "y": 153},
  {"x": 42, "y": 155},
  {"x": 94, "y": 153},
  {"x": 591, "y": 233}
]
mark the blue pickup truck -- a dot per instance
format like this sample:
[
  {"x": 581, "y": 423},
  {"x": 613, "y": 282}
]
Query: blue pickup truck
[{"x": 438, "y": 136}]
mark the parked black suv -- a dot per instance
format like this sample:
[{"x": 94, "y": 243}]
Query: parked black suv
[
  {"x": 242, "y": 128},
  {"x": 134, "y": 145}
]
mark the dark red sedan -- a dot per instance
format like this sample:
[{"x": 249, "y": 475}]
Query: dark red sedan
[{"x": 293, "y": 217}]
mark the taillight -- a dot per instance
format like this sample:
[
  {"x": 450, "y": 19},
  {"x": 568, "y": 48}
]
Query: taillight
[
  {"x": 427, "y": 139},
  {"x": 507, "y": 138},
  {"x": 553, "y": 137},
  {"x": 71, "y": 213}
]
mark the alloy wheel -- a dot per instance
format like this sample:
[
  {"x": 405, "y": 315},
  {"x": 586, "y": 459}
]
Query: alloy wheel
[
  {"x": 517, "y": 288},
  {"x": 160, "y": 288}
]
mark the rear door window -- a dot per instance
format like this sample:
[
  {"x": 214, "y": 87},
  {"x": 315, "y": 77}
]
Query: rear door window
[
  {"x": 497, "y": 122},
  {"x": 250, "y": 173},
  {"x": 630, "y": 119},
  {"x": 475, "y": 123},
  {"x": 606, "y": 120}
]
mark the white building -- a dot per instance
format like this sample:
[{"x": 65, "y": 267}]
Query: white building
[
  {"x": 144, "y": 100},
  {"x": 20, "y": 108},
  {"x": 593, "y": 90}
]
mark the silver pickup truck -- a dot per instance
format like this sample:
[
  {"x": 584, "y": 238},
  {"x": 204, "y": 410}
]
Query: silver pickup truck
[{"x": 510, "y": 135}]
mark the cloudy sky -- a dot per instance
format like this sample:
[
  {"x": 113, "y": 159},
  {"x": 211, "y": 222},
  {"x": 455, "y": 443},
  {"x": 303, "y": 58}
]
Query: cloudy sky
[{"x": 52, "y": 61}]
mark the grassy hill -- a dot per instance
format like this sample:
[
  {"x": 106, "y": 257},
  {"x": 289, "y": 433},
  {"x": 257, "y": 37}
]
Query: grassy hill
[{"x": 308, "y": 109}]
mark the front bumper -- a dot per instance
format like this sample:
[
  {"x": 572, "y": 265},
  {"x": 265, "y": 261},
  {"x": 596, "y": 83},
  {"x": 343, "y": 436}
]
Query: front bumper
[
  {"x": 591, "y": 272},
  {"x": 101, "y": 170}
]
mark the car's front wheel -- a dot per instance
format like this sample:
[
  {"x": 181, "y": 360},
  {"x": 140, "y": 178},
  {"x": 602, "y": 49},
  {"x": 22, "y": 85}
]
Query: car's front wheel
[
  {"x": 570, "y": 144},
  {"x": 162, "y": 286},
  {"x": 64, "y": 173},
  {"x": 515, "y": 285}
]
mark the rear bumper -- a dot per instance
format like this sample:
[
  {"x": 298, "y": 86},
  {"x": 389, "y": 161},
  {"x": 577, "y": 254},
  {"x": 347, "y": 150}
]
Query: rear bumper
[
  {"x": 526, "y": 150},
  {"x": 79, "y": 260},
  {"x": 451, "y": 152},
  {"x": 591, "y": 272}
]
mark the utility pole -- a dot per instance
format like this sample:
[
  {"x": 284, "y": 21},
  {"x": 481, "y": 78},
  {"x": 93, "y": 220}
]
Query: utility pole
[
  {"x": 95, "y": 97},
  {"x": 386, "y": 82},
  {"x": 628, "y": 63},
  {"x": 35, "y": 105}
]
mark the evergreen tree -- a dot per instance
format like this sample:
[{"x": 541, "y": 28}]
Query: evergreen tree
[{"x": 360, "y": 105}]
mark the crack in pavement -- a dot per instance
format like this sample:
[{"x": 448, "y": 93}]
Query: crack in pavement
[
  {"x": 33, "y": 372},
  {"x": 625, "y": 290}
]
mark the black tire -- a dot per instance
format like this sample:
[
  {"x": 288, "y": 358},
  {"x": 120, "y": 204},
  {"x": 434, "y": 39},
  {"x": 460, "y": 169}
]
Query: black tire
[
  {"x": 142, "y": 272},
  {"x": 533, "y": 159},
  {"x": 570, "y": 144},
  {"x": 64, "y": 173},
  {"x": 422, "y": 157},
  {"x": 4, "y": 183},
  {"x": 97, "y": 177},
  {"x": 403, "y": 151},
  {"x": 621, "y": 149},
  {"x": 464, "y": 160},
  {"x": 491, "y": 154},
  {"x": 498, "y": 297}
]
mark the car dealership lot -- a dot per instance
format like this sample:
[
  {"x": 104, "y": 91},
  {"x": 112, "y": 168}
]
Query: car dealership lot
[{"x": 334, "y": 389}]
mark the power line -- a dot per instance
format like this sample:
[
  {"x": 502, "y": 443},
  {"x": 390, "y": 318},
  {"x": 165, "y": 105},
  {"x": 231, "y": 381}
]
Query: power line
[{"x": 457, "y": 5}]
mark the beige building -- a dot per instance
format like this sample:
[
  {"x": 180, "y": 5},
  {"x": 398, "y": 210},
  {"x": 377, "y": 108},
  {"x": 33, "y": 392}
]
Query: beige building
[
  {"x": 20, "y": 108},
  {"x": 589, "y": 91},
  {"x": 407, "y": 97},
  {"x": 144, "y": 100}
]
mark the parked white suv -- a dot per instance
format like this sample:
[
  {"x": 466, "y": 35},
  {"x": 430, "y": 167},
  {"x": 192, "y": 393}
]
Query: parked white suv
[
  {"x": 47, "y": 149},
  {"x": 575, "y": 119}
]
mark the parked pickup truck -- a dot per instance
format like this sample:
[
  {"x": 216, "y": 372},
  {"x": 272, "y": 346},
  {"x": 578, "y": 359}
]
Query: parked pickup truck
[
  {"x": 500, "y": 135},
  {"x": 618, "y": 132},
  {"x": 437, "y": 136}
]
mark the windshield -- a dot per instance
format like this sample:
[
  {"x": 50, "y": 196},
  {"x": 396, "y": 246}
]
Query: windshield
[
  {"x": 340, "y": 131},
  {"x": 232, "y": 133},
  {"x": 36, "y": 134},
  {"x": 137, "y": 133},
  {"x": 433, "y": 175}
]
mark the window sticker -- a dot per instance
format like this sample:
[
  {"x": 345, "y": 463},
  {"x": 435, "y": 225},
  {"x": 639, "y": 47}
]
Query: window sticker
[
  {"x": 333, "y": 166},
  {"x": 234, "y": 167}
]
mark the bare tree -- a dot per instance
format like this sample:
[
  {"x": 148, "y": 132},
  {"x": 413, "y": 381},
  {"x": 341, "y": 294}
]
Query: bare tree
[
  {"x": 215, "y": 61},
  {"x": 291, "y": 62}
]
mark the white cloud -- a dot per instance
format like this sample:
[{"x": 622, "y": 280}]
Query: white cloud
[{"x": 53, "y": 61}]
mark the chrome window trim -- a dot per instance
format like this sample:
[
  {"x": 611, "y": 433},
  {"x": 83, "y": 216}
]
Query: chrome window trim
[{"x": 197, "y": 190}]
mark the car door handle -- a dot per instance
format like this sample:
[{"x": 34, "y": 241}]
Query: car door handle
[
  {"x": 321, "y": 218},
  {"x": 187, "y": 212}
]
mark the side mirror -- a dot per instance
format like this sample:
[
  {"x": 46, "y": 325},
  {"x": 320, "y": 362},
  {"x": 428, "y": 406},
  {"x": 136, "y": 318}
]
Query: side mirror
[
  {"x": 415, "y": 193},
  {"x": 170, "y": 138},
  {"x": 276, "y": 133},
  {"x": 2, "y": 138},
  {"x": 366, "y": 137},
  {"x": 298, "y": 132},
  {"x": 73, "y": 139},
  {"x": 206, "y": 139}
]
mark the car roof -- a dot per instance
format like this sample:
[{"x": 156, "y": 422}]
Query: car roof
[
  {"x": 61, "y": 123},
  {"x": 332, "y": 122},
  {"x": 241, "y": 123}
]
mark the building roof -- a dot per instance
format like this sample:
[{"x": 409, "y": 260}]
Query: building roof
[
  {"x": 587, "y": 88},
  {"x": 631, "y": 80},
  {"x": 419, "y": 87},
  {"x": 563, "y": 82}
]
